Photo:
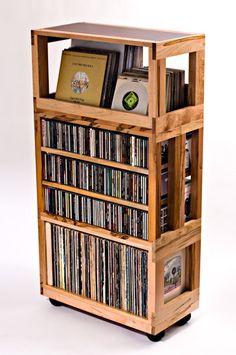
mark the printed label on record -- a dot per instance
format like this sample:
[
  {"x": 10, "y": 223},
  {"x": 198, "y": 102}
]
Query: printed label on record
[{"x": 130, "y": 100}]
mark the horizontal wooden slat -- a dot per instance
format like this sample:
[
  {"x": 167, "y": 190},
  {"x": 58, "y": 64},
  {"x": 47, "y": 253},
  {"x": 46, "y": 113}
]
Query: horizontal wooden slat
[
  {"x": 93, "y": 112},
  {"x": 54, "y": 35},
  {"x": 94, "y": 160},
  {"x": 97, "y": 123},
  {"x": 175, "y": 310},
  {"x": 97, "y": 231},
  {"x": 189, "y": 127},
  {"x": 179, "y": 239},
  {"x": 174, "y": 119},
  {"x": 179, "y": 122},
  {"x": 92, "y": 194},
  {"x": 97, "y": 308},
  {"x": 180, "y": 46}
]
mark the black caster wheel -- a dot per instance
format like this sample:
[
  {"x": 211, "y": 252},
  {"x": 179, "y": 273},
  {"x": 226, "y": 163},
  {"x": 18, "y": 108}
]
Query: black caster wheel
[
  {"x": 55, "y": 303},
  {"x": 184, "y": 320},
  {"x": 156, "y": 337}
]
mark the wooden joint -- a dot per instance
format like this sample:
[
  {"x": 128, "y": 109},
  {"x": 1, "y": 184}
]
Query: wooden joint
[{"x": 179, "y": 239}]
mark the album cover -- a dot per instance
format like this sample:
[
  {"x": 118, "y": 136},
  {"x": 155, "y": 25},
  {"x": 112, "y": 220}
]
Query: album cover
[
  {"x": 81, "y": 77},
  {"x": 131, "y": 95},
  {"x": 174, "y": 275}
]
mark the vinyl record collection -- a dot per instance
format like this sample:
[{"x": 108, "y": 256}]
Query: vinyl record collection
[
  {"x": 103, "y": 144},
  {"x": 113, "y": 217},
  {"x": 100, "y": 269},
  {"x": 175, "y": 85},
  {"x": 98, "y": 178}
]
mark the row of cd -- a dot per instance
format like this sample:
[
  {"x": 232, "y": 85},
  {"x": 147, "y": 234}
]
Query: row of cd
[
  {"x": 113, "y": 217},
  {"x": 98, "y": 178},
  {"x": 94, "y": 142},
  {"x": 100, "y": 269}
]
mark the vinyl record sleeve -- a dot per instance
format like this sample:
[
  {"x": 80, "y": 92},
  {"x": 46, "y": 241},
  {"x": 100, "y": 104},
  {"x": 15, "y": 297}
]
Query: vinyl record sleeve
[
  {"x": 174, "y": 275},
  {"x": 131, "y": 95},
  {"x": 81, "y": 77}
]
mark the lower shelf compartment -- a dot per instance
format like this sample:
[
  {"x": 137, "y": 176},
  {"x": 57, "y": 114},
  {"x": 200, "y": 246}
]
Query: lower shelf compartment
[{"x": 98, "y": 309}]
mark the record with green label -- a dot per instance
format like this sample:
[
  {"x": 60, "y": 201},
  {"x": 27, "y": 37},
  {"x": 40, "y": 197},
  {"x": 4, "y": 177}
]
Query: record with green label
[{"x": 131, "y": 95}]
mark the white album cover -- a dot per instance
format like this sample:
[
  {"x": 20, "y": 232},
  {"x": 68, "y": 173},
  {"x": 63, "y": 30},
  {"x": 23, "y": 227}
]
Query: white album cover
[{"x": 131, "y": 95}]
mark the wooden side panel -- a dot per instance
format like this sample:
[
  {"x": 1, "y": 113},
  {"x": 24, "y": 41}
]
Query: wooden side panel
[{"x": 176, "y": 181}]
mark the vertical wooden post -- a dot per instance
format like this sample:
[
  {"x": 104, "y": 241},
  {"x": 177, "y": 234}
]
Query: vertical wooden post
[
  {"x": 196, "y": 97},
  {"x": 176, "y": 181},
  {"x": 161, "y": 85},
  {"x": 40, "y": 65},
  {"x": 40, "y": 202},
  {"x": 157, "y": 107},
  {"x": 153, "y": 182},
  {"x": 153, "y": 151}
]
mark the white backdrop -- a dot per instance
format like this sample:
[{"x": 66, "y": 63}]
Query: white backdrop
[{"x": 28, "y": 324}]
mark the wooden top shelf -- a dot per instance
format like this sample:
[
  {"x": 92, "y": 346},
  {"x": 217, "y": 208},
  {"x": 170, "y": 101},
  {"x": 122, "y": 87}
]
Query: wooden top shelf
[{"x": 116, "y": 34}]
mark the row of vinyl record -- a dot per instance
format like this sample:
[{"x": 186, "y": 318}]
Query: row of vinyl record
[
  {"x": 136, "y": 80},
  {"x": 98, "y": 178},
  {"x": 94, "y": 142},
  {"x": 100, "y": 269},
  {"x": 117, "y": 218}
]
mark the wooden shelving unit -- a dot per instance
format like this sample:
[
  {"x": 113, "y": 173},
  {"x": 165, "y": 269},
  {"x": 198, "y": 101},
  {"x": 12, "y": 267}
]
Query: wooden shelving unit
[{"x": 157, "y": 127}]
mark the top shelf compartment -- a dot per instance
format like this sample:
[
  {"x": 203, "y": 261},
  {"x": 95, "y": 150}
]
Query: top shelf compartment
[{"x": 160, "y": 44}]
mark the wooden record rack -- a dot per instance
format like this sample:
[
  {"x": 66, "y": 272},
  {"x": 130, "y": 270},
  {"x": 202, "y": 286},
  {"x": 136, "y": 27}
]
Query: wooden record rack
[{"x": 157, "y": 127}]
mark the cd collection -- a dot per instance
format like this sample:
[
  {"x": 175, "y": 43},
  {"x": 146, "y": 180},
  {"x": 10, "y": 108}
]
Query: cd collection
[
  {"x": 98, "y": 178},
  {"x": 116, "y": 218},
  {"x": 100, "y": 269},
  {"x": 94, "y": 142}
]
